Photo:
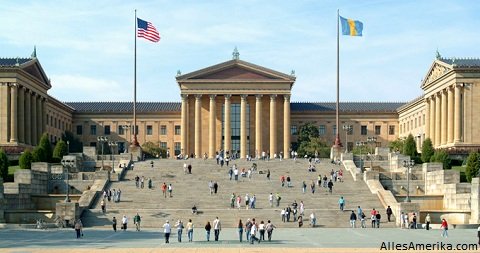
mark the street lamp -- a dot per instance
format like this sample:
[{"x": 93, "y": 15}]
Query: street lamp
[
  {"x": 102, "y": 140},
  {"x": 360, "y": 145},
  {"x": 67, "y": 164},
  {"x": 112, "y": 145},
  {"x": 126, "y": 128},
  {"x": 408, "y": 164},
  {"x": 68, "y": 147},
  {"x": 371, "y": 140},
  {"x": 348, "y": 129}
]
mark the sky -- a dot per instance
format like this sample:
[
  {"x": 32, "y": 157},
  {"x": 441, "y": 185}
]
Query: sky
[{"x": 87, "y": 47}]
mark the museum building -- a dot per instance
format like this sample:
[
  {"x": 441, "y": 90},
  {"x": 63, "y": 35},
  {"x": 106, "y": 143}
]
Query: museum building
[{"x": 242, "y": 107}]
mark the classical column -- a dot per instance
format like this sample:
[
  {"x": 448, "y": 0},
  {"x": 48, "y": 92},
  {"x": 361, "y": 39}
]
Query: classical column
[
  {"x": 432, "y": 121},
  {"x": 258, "y": 126},
  {"x": 44, "y": 116},
  {"x": 427, "y": 118},
  {"x": 21, "y": 115},
  {"x": 286, "y": 126},
  {"x": 243, "y": 126},
  {"x": 273, "y": 125},
  {"x": 33, "y": 122},
  {"x": 438, "y": 110},
  {"x": 458, "y": 115},
  {"x": 444, "y": 118},
  {"x": 228, "y": 129},
  {"x": 212, "y": 128},
  {"x": 39, "y": 118},
  {"x": 183, "y": 126},
  {"x": 28, "y": 118},
  {"x": 450, "y": 115},
  {"x": 198, "y": 125},
  {"x": 13, "y": 112},
  {"x": 4, "y": 94}
]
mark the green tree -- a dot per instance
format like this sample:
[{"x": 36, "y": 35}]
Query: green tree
[
  {"x": 309, "y": 147},
  {"x": 410, "y": 147},
  {"x": 396, "y": 145},
  {"x": 59, "y": 151},
  {"x": 473, "y": 166},
  {"x": 441, "y": 156},
  {"x": 25, "y": 160},
  {"x": 307, "y": 132},
  {"x": 3, "y": 164},
  {"x": 152, "y": 150},
  {"x": 47, "y": 147},
  {"x": 39, "y": 155},
  {"x": 75, "y": 145},
  {"x": 427, "y": 150}
]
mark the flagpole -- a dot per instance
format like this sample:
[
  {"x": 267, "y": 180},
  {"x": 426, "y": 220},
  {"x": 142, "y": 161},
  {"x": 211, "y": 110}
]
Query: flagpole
[
  {"x": 135, "y": 142},
  {"x": 338, "y": 143}
]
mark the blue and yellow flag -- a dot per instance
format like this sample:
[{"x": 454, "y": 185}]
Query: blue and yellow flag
[{"x": 351, "y": 27}]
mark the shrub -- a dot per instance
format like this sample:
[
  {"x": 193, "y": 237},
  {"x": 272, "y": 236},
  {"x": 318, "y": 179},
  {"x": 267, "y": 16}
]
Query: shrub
[
  {"x": 60, "y": 150},
  {"x": 25, "y": 160},
  {"x": 441, "y": 156},
  {"x": 473, "y": 165},
  {"x": 427, "y": 150},
  {"x": 3, "y": 164}
]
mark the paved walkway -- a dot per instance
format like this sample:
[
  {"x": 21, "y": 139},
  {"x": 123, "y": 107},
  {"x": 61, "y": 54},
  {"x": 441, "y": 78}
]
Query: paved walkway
[{"x": 284, "y": 240}]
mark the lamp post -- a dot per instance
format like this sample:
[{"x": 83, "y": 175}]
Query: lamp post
[
  {"x": 68, "y": 147},
  {"x": 67, "y": 164},
  {"x": 371, "y": 140},
  {"x": 360, "y": 145},
  {"x": 126, "y": 128},
  {"x": 112, "y": 145},
  {"x": 102, "y": 140},
  {"x": 408, "y": 164},
  {"x": 348, "y": 129}
]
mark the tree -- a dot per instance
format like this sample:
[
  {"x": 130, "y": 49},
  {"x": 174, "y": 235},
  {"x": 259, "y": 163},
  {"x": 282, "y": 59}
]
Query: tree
[
  {"x": 410, "y": 147},
  {"x": 75, "y": 145},
  {"x": 46, "y": 146},
  {"x": 473, "y": 166},
  {"x": 396, "y": 145},
  {"x": 152, "y": 150},
  {"x": 3, "y": 164},
  {"x": 309, "y": 147},
  {"x": 427, "y": 150},
  {"x": 441, "y": 156},
  {"x": 25, "y": 160},
  {"x": 59, "y": 151},
  {"x": 307, "y": 132},
  {"x": 39, "y": 155}
]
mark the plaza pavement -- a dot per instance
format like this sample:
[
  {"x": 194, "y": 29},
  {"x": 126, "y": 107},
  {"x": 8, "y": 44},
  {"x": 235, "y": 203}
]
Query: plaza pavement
[{"x": 284, "y": 240}]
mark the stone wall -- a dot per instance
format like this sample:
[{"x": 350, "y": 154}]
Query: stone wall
[
  {"x": 457, "y": 196},
  {"x": 475, "y": 201},
  {"x": 435, "y": 181},
  {"x": 350, "y": 167}
]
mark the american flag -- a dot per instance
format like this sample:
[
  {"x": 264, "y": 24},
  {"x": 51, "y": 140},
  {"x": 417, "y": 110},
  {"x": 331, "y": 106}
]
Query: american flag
[{"x": 147, "y": 30}]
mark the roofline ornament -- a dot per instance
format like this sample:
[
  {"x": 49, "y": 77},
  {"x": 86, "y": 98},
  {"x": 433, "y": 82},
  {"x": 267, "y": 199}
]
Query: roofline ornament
[{"x": 235, "y": 54}]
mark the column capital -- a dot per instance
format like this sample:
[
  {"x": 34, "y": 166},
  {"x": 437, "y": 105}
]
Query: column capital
[
  {"x": 3, "y": 84},
  {"x": 13, "y": 85},
  {"x": 228, "y": 96},
  {"x": 212, "y": 96},
  {"x": 184, "y": 96},
  {"x": 243, "y": 97},
  {"x": 273, "y": 96},
  {"x": 286, "y": 97},
  {"x": 198, "y": 96},
  {"x": 258, "y": 96}
]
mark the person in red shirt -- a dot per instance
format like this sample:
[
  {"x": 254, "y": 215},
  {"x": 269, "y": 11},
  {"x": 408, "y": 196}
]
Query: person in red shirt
[
  {"x": 444, "y": 228},
  {"x": 164, "y": 189},
  {"x": 282, "y": 179}
]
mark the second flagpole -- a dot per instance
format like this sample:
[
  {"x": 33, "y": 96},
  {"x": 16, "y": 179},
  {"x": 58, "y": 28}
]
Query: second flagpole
[{"x": 135, "y": 142}]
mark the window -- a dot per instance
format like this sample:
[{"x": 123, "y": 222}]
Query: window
[
  {"x": 163, "y": 130},
  {"x": 415, "y": 122},
  {"x": 391, "y": 130},
  {"x": 107, "y": 130},
  {"x": 177, "y": 130},
  {"x": 378, "y": 130},
  {"x": 177, "y": 148},
  {"x": 335, "y": 130},
  {"x": 363, "y": 130},
  {"x": 121, "y": 131},
  {"x": 149, "y": 130},
  {"x": 293, "y": 130},
  {"x": 163, "y": 145},
  {"x": 93, "y": 130},
  {"x": 423, "y": 119},
  {"x": 79, "y": 130},
  {"x": 321, "y": 130}
]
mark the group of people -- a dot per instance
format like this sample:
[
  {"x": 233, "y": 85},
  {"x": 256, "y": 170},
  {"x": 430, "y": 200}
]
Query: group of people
[
  {"x": 236, "y": 201},
  {"x": 136, "y": 221},
  {"x": 112, "y": 195},
  {"x": 140, "y": 182},
  {"x": 296, "y": 210}
]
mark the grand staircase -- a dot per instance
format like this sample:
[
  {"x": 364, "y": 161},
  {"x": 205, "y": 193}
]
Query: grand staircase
[{"x": 190, "y": 189}]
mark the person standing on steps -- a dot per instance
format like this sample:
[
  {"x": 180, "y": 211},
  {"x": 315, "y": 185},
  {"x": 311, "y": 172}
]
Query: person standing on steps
[
  {"x": 341, "y": 203},
  {"x": 136, "y": 220},
  {"x": 215, "y": 187},
  {"x": 248, "y": 227},
  {"x": 167, "y": 229},
  {"x": 103, "y": 205},
  {"x": 78, "y": 228},
  {"x": 330, "y": 186},
  {"x": 208, "y": 228},
  {"x": 164, "y": 189},
  {"x": 179, "y": 226},
  {"x": 268, "y": 174},
  {"x": 353, "y": 218},
  {"x": 278, "y": 198},
  {"x": 389, "y": 213},
  {"x": 270, "y": 199},
  {"x": 170, "y": 190},
  {"x": 240, "y": 230},
  {"x": 269, "y": 228},
  {"x": 217, "y": 226},
  {"x": 142, "y": 182},
  {"x": 124, "y": 223},
  {"x": 114, "y": 224},
  {"x": 427, "y": 221},
  {"x": 444, "y": 228},
  {"x": 190, "y": 230}
]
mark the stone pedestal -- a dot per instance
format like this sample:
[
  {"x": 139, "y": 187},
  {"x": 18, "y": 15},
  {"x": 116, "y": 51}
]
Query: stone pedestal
[
  {"x": 136, "y": 153},
  {"x": 475, "y": 201},
  {"x": 408, "y": 208},
  {"x": 70, "y": 211},
  {"x": 335, "y": 153}
]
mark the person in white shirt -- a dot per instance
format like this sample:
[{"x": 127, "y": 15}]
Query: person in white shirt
[
  {"x": 124, "y": 223},
  {"x": 167, "y": 230},
  {"x": 217, "y": 226},
  {"x": 261, "y": 229},
  {"x": 235, "y": 173},
  {"x": 253, "y": 232},
  {"x": 270, "y": 199},
  {"x": 313, "y": 220}
]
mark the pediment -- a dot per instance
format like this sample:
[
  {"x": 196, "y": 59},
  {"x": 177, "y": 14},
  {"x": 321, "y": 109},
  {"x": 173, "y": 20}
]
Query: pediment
[
  {"x": 437, "y": 70},
  {"x": 236, "y": 70},
  {"x": 35, "y": 69}
]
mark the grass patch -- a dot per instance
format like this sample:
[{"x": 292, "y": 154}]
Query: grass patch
[{"x": 12, "y": 169}]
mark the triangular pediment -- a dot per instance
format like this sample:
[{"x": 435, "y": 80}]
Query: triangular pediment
[
  {"x": 437, "y": 70},
  {"x": 236, "y": 70},
  {"x": 35, "y": 69}
]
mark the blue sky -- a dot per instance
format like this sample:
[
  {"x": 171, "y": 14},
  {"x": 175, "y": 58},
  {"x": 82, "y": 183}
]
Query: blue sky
[{"x": 86, "y": 47}]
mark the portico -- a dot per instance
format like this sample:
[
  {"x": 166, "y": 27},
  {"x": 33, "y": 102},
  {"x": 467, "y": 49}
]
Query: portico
[{"x": 235, "y": 106}]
